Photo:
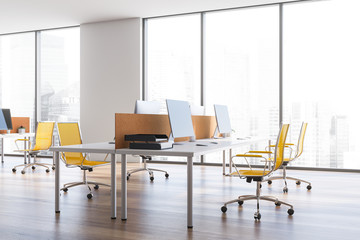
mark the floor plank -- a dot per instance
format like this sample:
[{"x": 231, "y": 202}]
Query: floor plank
[{"x": 157, "y": 210}]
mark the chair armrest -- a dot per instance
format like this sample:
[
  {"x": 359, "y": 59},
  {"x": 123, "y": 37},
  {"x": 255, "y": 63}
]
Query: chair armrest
[
  {"x": 247, "y": 155},
  {"x": 286, "y": 144},
  {"x": 22, "y": 140}
]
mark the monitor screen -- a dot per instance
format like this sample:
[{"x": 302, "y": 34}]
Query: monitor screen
[
  {"x": 222, "y": 118},
  {"x": 5, "y": 119},
  {"x": 147, "y": 107},
  {"x": 180, "y": 118}
]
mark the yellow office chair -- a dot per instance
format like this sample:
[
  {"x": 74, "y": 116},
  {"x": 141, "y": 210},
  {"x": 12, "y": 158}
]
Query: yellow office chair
[
  {"x": 259, "y": 175},
  {"x": 69, "y": 134},
  {"x": 43, "y": 141},
  {"x": 298, "y": 149}
]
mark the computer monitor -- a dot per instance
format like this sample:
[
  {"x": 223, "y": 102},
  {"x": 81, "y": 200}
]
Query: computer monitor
[
  {"x": 147, "y": 107},
  {"x": 5, "y": 119},
  {"x": 180, "y": 119},
  {"x": 222, "y": 119}
]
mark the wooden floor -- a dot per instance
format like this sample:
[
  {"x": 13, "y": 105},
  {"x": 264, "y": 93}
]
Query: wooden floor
[{"x": 331, "y": 210}]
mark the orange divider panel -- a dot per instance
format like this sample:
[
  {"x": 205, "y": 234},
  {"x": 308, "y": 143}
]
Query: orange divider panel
[
  {"x": 125, "y": 123},
  {"x": 17, "y": 122}
]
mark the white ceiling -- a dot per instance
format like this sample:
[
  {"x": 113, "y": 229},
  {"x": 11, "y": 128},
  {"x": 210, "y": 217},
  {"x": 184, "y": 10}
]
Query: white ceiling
[{"x": 27, "y": 15}]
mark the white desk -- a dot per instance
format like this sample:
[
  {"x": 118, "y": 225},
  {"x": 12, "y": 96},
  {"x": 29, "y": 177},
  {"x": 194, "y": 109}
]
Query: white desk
[
  {"x": 105, "y": 148},
  {"x": 14, "y": 135},
  {"x": 188, "y": 150}
]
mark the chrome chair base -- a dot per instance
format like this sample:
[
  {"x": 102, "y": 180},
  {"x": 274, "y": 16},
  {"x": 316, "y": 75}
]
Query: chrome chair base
[
  {"x": 145, "y": 168},
  {"x": 33, "y": 166},
  {"x": 285, "y": 178},
  {"x": 257, "y": 216},
  {"x": 84, "y": 182}
]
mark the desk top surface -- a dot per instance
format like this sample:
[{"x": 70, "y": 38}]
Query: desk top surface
[
  {"x": 186, "y": 149},
  {"x": 192, "y": 149},
  {"x": 103, "y": 147},
  {"x": 12, "y": 135}
]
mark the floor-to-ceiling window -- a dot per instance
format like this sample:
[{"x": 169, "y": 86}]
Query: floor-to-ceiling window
[
  {"x": 17, "y": 74},
  {"x": 59, "y": 81},
  {"x": 321, "y": 75},
  {"x": 39, "y": 76},
  {"x": 173, "y": 58},
  {"x": 242, "y": 69},
  {"x": 17, "y": 77}
]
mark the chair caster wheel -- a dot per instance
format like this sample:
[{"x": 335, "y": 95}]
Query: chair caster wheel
[
  {"x": 166, "y": 175},
  {"x": 277, "y": 204},
  {"x": 285, "y": 190},
  {"x": 128, "y": 177},
  {"x": 240, "y": 203},
  {"x": 89, "y": 196},
  {"x": 65, "y": 189},
  {"x": 298, "y": 182},
  {"x": 223, "y": 209},
  {"x": 53, "y": 167},
  {"x": 96, "y": 187},
  {"x": 151, "y": 178},
  {"x": 257, "y": 216},
  {"x": 22, "y": 172},
  {"x": 269, "y": 182},
  {"x": 308, "y": 187},
  {"x": 290, "y": 211},
  {"x": 47, "y": 170},
  {"x": 33, "y": 167},
  {"x": 13, "y": 170}
]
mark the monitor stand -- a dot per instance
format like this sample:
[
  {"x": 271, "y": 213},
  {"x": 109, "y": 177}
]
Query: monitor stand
[{"x": 172, "y": 139}]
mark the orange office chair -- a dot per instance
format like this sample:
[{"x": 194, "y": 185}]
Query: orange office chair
[
  {"x": 298, "y": 149},
  {"x": 43, "y": 141},
  {"x": 259, "y": 175},
  {"x": 69, "y": 134}
]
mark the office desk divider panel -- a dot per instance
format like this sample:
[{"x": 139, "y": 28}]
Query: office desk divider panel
[
  {"x": 128, "y": 123},
  {"x": 18, "y": 122}
]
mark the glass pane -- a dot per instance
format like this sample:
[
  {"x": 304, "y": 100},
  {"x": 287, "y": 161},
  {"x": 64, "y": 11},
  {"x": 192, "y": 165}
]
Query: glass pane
[
  {"x": 17, "y": 78},
  {"x": 242, "y": 70},
  {"x": 173, "y": 58},
  {"x": 321, "y": 72},
  {"x": 59, "y": 83}
]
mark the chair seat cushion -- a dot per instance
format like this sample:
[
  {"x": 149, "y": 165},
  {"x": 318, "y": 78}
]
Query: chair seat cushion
[
  {"x": 77, "y": 161},
  {"x": 248, "y": 173}
]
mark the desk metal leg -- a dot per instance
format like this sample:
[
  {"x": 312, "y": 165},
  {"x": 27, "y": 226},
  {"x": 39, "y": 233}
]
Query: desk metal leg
[
  {"x": 190, "y": 192},
  {"x": 57, "y": 182},
  {"x": 113, "y": 186},
  {"x": 2, "y": 150},
  {"x": 230, "y": 165},
  {"x": 224, "y": 163},
  {"x": 25, "y": 155},
  {"x": 123, "y": 188}
]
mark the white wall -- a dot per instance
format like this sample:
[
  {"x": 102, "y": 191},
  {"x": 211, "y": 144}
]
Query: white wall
[{"x": 111, "y": 70}]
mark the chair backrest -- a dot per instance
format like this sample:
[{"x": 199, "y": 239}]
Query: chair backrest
[
  {"x": 280, "y": 146},
  {"x": 300, "y": 145},
  {"x": 44, "y": 136},
  {"x": 69, "y": 134}
]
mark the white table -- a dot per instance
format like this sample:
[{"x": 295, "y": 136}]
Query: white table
[
  {"x": 15, "y": 135},
  {"x": 187, "y": 149}
]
